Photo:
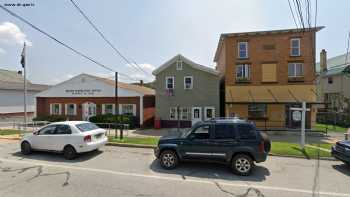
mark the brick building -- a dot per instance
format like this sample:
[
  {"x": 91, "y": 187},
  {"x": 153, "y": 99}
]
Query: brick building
[
  {"x": 84, "y": 96},
  {"x": 265, "y": 73}
]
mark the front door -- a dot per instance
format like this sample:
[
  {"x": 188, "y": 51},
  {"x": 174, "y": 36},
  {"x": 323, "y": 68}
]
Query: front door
[
  {"x": 89, "y": 110},
  {"x": 196, "y": 115}
]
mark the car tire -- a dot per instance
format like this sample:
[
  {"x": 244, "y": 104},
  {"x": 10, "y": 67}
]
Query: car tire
[
  {"x": 26, "y": 149},
  {"x": 242, "y": 164},
  {"x": 69, "y": 152},
  {"x": 168, "y": 159}
]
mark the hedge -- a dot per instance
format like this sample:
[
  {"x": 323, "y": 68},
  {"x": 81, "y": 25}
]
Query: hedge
[{"x": 119, "y": 119}]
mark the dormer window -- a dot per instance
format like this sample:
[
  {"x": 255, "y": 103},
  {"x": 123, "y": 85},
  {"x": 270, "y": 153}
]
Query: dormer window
[
  {"x": 295, "y": 47},
  {"x": 179, "y": 65}
]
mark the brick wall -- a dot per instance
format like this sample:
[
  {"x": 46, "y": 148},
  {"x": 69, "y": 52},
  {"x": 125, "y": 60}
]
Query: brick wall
[
  {"x": 278, "y": 52},
  {"x": 43, "y": 105}
]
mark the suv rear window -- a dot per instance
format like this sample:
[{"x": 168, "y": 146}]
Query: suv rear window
[
  {"x": 225, "y": 131},
  {"x": 246, "y": 131},
  {"x": 86, "y": 127}
]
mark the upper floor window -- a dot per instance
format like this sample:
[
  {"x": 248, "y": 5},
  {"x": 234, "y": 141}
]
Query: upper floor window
[
  {"x": 169, "y": 83},
  {"x": 295, "y": 47},
  {"x": 242, "y": 71},
  {"x": 188, "y": 82},
  {"x": 179, "y": 65},
  {"x": 295, "y": 70},
  {"x": 242, "y": 49},
  {"x": 330, "y": 80}
]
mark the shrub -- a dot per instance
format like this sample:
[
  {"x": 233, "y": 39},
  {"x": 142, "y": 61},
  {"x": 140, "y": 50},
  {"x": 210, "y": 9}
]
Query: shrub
[
  {"x": 119, "y": 119},
  {"x": 50, "y": 118}
]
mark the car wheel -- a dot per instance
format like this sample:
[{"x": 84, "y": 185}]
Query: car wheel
[
  {"x": 69, "y": 152},
  {"x": 168, "y": 159},
  {"x": 242, "y": 164},
  {"x": 26, "y": 148}
]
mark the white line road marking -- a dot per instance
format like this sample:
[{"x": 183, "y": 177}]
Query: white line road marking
[{"x": 225, "y": 183}]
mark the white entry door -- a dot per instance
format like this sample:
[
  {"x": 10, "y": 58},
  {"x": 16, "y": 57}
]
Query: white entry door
[
  {"x": 89, "y": 110},
  {"x": 196, "y": 115}
]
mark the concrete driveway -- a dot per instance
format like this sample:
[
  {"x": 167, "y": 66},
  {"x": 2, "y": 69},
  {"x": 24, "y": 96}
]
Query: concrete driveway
[{"x": 117, "y": 171}]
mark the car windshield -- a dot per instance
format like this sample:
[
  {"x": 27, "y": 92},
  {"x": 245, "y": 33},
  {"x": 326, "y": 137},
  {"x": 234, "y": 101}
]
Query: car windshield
[{"x": 86, "y": 127}]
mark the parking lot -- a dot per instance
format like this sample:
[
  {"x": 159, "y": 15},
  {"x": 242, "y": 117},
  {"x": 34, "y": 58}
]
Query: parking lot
[{"x": 121, "y": 171}]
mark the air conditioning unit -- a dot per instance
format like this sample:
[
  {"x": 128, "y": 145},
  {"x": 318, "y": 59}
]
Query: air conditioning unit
[{"x": 170, "y": 92}]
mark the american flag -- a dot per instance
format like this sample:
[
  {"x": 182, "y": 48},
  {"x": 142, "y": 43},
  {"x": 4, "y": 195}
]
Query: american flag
[{"x": 23, "y": 56}]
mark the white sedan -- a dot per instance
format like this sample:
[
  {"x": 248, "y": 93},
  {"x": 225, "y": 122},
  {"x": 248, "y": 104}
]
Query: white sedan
[{"x": 70, "y": 138}]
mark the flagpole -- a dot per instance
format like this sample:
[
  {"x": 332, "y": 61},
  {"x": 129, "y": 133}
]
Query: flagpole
[{"x": 25, "y": 87}]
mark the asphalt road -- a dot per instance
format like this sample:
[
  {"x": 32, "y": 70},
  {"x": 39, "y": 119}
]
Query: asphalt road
[{"x": 117, "y": 171}]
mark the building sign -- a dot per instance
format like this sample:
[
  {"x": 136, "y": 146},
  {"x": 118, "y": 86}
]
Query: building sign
[
  {"x": 83, "y": 91},
  {"x": 297, "y": 116}
]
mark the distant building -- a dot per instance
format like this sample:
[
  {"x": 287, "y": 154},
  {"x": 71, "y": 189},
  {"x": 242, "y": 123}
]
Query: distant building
[
  {"x": 84, "y": 96},
  {"x": 192, "y": 87},
  {"x": 268, "y": 72},
  {"x": 334, "y": 82},
  {"x": 12, "y": 98}
]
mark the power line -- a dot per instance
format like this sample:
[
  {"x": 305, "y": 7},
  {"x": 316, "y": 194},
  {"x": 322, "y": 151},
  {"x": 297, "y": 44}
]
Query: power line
[
  {"x": 316, "y": 7},
  {"x": 291, "y": 10},
  {"x": 61, "y": 43},
  {"x": 106, "y": 40},
  {"x": 347, "y": 50}
]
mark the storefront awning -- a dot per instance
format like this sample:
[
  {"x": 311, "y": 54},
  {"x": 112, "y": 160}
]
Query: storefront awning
[{"x": 270, "y": 94}]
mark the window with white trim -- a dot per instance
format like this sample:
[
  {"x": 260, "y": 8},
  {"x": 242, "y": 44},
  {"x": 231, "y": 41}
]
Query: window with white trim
[
  {"x": 184, "y": 113},
  {"x": 242, "y": 49},
  {"x": 295, "y": 70},
  {"x": 209, "y": 113},
  {"x": 169, "y": 82},
  {"x": 173, "y": 113},
  {"x": 242, "y": 71},
  {"x": 128, "y": 109},
  {"x": 108, "y": 109},
  {"x": 179, "y": 65},
  {"x": 188, "y": 82},
  {"x": 295, "y": 47},
  {"x": 71, "y": 109},
  {"x": 55, "y": 109}
]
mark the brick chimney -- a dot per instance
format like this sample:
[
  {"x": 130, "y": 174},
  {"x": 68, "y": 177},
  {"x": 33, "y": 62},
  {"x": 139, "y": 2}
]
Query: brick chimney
[{"x": 323, "y": 60}]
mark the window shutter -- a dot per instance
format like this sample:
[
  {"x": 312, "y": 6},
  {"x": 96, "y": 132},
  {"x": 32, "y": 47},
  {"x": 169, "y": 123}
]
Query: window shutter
[
  {"x": 66, "y": 109},
  {"x": 269, "y": 73},
  {"x": 51, "y": 109},
  {"x": 103, "y": 109},
  {"x": 75, "y": 109},
  {"x": 134, "y": 110}
]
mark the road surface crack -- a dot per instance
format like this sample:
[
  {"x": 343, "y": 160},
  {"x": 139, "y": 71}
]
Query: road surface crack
[{"x": 249, "y": 190}]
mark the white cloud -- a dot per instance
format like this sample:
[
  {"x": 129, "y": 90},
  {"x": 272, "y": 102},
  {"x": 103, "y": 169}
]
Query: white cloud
[
  {"x": 2, "y": 51},
  {"x": 136, "y": 73},
  {"x": 11, "y": 34}
]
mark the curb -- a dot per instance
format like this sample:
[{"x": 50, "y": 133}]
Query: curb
[
  {"x": 10, "y": 138},
  {"x": 130, "y": 145},
  {"x": 301, "y": 157}
]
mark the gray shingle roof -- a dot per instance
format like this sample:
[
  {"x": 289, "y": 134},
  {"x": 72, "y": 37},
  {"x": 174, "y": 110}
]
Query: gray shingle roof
[{"x": 11, "y": 80}]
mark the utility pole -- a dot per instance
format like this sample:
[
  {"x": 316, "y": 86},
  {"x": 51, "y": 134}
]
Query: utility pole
[
  {"x": 303, "y": 110},
  {"x": 23, "y": 62},
  {"x": 116, "y": 109}
]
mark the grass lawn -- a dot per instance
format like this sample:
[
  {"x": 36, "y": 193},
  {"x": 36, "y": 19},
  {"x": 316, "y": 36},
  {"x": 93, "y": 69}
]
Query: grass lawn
[
  {"x": 9, "y": 132},
  {"x": 136, "y": 140},
  {"x": 280, "y": 148},
  {"x": 323, "y": 127},
  {"x": 292, "y": 149}
]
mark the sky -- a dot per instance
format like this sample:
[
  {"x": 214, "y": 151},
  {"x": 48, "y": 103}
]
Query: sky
[{"x": 150, "y": 32}]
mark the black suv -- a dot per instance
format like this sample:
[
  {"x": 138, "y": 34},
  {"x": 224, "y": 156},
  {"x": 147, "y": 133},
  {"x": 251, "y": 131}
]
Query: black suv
[{"x": 233, "y": 141}]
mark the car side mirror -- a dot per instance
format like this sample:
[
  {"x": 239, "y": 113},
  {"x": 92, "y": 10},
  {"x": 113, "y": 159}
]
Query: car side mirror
[
  {"x": 35, "y": 132},
  {"x": 191, "y": 136}
]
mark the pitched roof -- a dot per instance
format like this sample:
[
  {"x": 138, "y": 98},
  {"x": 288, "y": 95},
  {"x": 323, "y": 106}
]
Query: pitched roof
[
  {"x": 254, "y": 33},
  {"x": 11, "y": 80},
  {"x": 337, "y": 61},
  {"x": 137, "y": 88},
  {"x": 189, "y": 62}
]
